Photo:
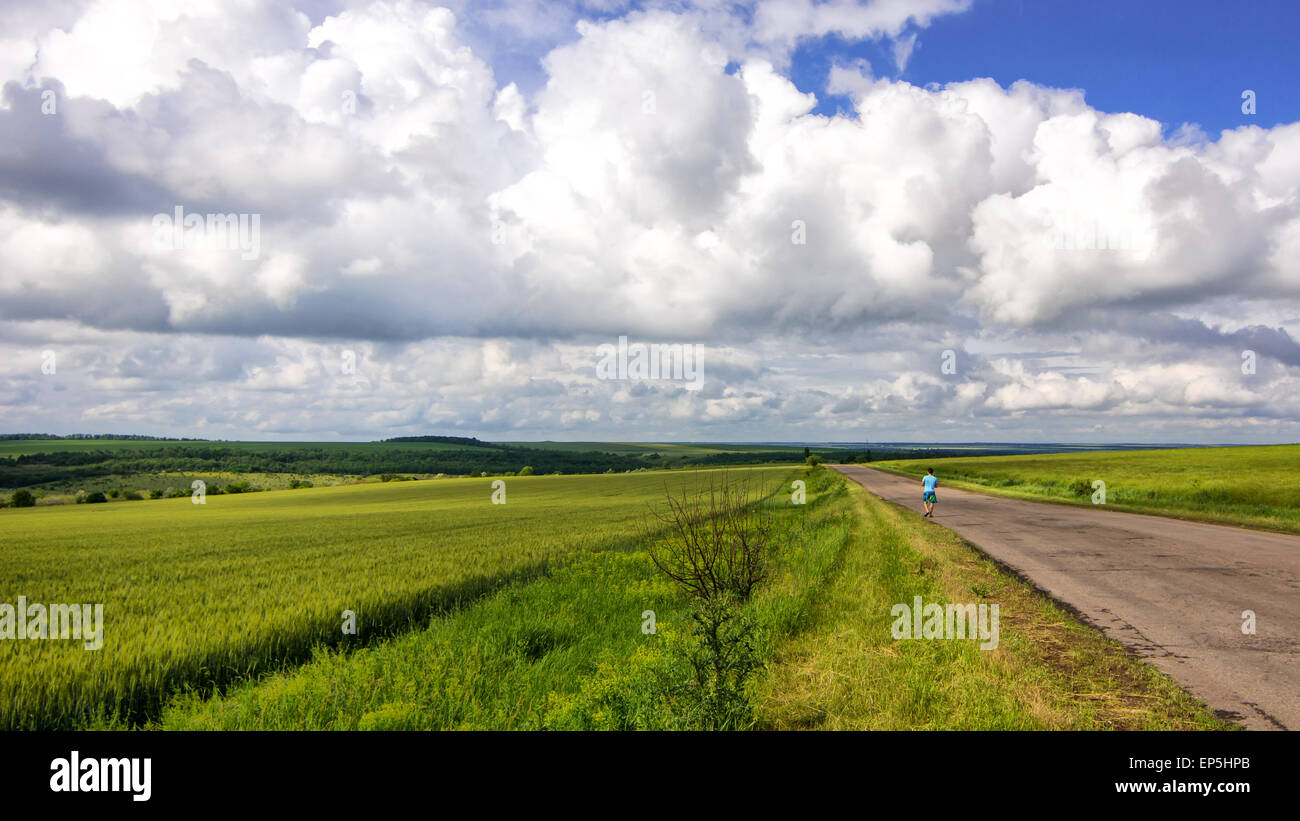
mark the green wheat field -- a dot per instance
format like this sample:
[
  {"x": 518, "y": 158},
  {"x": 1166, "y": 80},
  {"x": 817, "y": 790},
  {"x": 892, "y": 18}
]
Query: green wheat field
[{"x": 1253, "y": 486}]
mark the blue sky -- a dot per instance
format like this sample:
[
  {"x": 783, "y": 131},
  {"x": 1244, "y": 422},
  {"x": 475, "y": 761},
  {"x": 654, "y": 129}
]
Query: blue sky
[
  {"x": 1172, "y": 61},
  {"x": 1176, "y": 62}
]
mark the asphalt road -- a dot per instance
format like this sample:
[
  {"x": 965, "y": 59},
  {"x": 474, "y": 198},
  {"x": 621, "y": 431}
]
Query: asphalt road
[{"x": 1172, "y": 590}]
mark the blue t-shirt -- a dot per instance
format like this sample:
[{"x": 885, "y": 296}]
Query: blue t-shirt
[{"x": 928, "y": 483}]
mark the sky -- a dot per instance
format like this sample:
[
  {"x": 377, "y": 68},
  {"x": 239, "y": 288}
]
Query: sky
[
  {"x": 1170, "y": 60},
  {"x": 851, "y": 220}
]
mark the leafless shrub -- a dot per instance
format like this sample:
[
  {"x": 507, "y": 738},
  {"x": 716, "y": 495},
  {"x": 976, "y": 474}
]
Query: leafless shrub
[
  {"x": 716, "y": 540},
  {"x": 713, "y": 543}
]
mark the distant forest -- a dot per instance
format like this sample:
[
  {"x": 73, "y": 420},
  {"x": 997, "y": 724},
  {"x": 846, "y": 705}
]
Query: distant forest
[
  {"x": 364, "y": 460},
  {"x": 468, "y": 456},
  {"x": 113, "y": 437}
]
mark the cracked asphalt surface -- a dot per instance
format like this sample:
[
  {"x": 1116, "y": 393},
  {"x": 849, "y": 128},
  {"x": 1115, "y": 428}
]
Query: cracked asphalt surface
[{"x": 1172, "y": 590}]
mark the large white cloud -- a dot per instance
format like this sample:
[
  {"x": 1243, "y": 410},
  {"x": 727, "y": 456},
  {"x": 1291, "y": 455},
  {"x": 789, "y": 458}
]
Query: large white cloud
[{"x": 666, "y": 180}]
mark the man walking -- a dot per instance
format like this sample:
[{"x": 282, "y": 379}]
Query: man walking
[{"x": 928, "y": 485}]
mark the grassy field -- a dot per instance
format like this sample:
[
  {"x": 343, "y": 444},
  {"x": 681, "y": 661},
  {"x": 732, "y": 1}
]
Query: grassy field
[
  {"x": 568, "y": 652},
  {"x": 527, "y": 615},
  {"x": 197, "y": 594},
  {"x": 1252, "y": 486},
  {"x": 168, "y": 482},
  {"x": 564, "y": 652}
]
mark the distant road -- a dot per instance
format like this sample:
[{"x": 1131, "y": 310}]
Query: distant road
[{"x": 1171, "y": 590}]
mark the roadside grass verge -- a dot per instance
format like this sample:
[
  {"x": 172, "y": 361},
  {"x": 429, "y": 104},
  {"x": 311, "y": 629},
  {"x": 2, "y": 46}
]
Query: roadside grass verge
[
  {"x": 845, "y": 671},
  {"x": 1256, "y": 487}
]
